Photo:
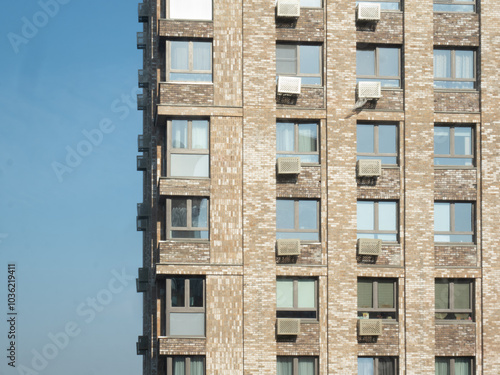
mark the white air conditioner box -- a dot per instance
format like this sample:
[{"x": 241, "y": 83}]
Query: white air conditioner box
[
  {"x": 369, "y": 246},
  {"x": 286, "y": 247},
  {"x": 369, "y": 90},
  {"x": 288, "y": 165},
  {"x": 288, "y": 8},
  {"x": 289, "y": 85},
  {"x": 369, "y": 327},
  {"x": 369, "y": 168},
  {"x": 286, "y": 326},
  {"x": 368, "y": 12}
]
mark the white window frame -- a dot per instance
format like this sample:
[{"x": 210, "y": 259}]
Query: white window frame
[
  {"x": 453, "y": 70},
  {"x": 190, "y": 42}
]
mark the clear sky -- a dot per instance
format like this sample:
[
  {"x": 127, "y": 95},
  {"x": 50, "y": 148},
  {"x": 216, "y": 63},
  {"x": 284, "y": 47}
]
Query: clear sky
[{"x": 69, "y": 185}]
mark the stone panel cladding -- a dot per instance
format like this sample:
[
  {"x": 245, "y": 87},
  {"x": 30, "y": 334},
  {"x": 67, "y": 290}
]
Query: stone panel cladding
[
  {"x": 194, "y": 187},
  {"x": 310, "y": 254},
  {"x": 307, "y": 184},
  {"x": 186, "y": 94},
  {"x": 309, "y": 27},
  {"x": 391, "y": 100},
  {"x": 387, "y": 186},
  {"x": 184, "y": 252},
  {"x": 456, "y": 339},
  {"x": 455, "y": 256},
  {"x": 456, "y": 101},
  {"x": 186, "y": 29},
  {"x": 171, "y": 346},
  {"x": 455, "y": 184},
  {"x": 305, "y": 343},
  {"x": 390, "y": 256},
  {"x": 456, "y": 29},
  {"x": 310, "y": 97},
  {"x": 389, "y": 30},
  {"x": 387, "y": 344}
]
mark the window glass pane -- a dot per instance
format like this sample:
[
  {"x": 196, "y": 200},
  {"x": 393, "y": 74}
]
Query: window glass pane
[
  {"x": 177, "y": 291},
  {"x": 385, "y": 294},
  {"x": 306, "y": 366},
  {"x": 199, "y": 213},
  {"x": 387, "y": 139},
  {"x": 462, "y": 295},
  {"x": 285, "y": 139},
  {"x": 463, "y": 217},
  {"x": 365, "y": 63},
  {"x": 191, "y": 10},
  {"x": 442, "y": 238},
  {"x": 308, "y": 215},
  {"x": 365, "y": 215},
  {"x": 460, "y": 238},
  {"x": 442, "y": 63},
  {"x": 308, "y": 137},
  {"x": 284, "y": 293},
  {"x": 365, "y": 366},
  {"x": 202, "y": 58},
  {"x": 200, "y": 234},
  {"x": 386, "y": 366},
  {"x": 442, "y": 140},
  {"x": 463, "y": 141},
  {"x": 179, "y": 55},
  {"x": 453, "y": 161},
  {"x": 187, "y": 324},
  {"x": 179, "y": 212},
  {"x": 387, "y": 216},
  {"x": 463, "y": 366},
  {"x": 285, "y": 214},
  {"x": 309, "y": 59},
  {"x": 196, "y": 292},
  {"x": 304, "y": 236},
  {"x": 306, "y": 295},
  {"x": 179, "y": 366},
  {"x": 364, "y": 138},
  {"x": 365, "y": 294},
  {"x": 286, "y": 59},
  {"x": 196, "y": 366},
  {"x": 442, "y": 294},
  {"x": 388, "y": 59},
  {"x": 179, "y": 134},
  {"x": 284, "y": 366},
  {"x": 464, "y": 64},
  {"x": 199, "y": 134},
  {"x": 182, "y": 165},
  {"x": 310, "y": 3},
  {"x": 187, "y": 77},
  {"x": 442, "y": 366},
  {"x": 442, "y": 217}
]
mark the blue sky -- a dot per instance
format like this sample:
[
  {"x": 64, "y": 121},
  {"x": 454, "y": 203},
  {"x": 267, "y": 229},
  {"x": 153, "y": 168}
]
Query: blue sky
[{"x": 68, "y": 185}]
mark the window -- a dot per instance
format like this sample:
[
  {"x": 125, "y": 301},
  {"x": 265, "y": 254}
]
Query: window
[
  {"x": 297, "y": 139},
  {"x": 188, "y": 218},
  {"x": 378, "y": 219},
  {"x": 296, "y": 298},
  {"x": 377, "y": 142},
  {"x": 182, "y": 365},
  {"x": 453, "y": 145},
  {"x": 454, "y": 6},
  {"x": 454, "y": 299},
  {"x": 187, "y": 148},
  {"x": 189, "y": 61},
  {"x": 454, "y": 69},
  {"x": 379, "y": 64},
  {"x": 190, "y": 9},
  {"x": 384, "y": 4},
  {"x": 299, "y": 60},
  {"x": 453, "y": 222},
  {"x": 377, "y": 298},
  {"x": 297, "y": 366},
  {"x": 310, "y": 3},
  {"x": 377, "y": 366},
  {"x": 297, "y": 219},
  {"x": 185, "y": 306},
  {"x": 454, "y": 366}
]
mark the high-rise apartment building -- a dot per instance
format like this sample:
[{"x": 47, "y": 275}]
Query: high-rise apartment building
[{"x": 321, "y": 187}]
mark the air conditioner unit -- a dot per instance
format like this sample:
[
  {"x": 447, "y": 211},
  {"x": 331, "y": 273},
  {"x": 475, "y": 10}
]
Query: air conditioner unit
[
  {"x": 142, "y": 280},
  {"x": 369, "y": 90},
  {"x": 143, "y": 143},
  {"x": 285, "y": 247},
  {"x": 288, "y": 165},
  {"x": 143, "y": 13},
  {"x": 142, "y": 224},
  {"x": 369, "y": 246},
  {"x": 288, "y": 8},
  {"x": 142, "y": 210},
  {"x": 142, "y": 78},
  {"x": 142, "y": 163},
  {"x": 289, "y": 85},
  {"x": 141, "y": 40},
  {"x": 286, "y": 326},
  {"x": 369, "y": 168},
  {"x": 369, "y": 327},
  {"x": 141, "y": 102},
  {"x": 368, "y": 12},
  {"x": 142, "y": 345}
]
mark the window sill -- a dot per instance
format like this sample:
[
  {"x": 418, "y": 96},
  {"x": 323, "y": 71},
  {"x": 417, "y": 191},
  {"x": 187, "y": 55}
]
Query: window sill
[
  {"x": 390, "y": 166},
  {"x": 184, "y": 20},
  {"x": 456, "y": 90},
  {"x": 188, "y": 82},
  {"x": 448, "y": 12},
  {"x": 454, "y": 322},
  {"x": 185, "y": 240},
  {"x": 182, "y": 337},
  {"x": 454, "y": 167},
  {"x": 316, "y": 165},
  {"x": 464, "y": 244},
  {"x": 185, "y": 178}
]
